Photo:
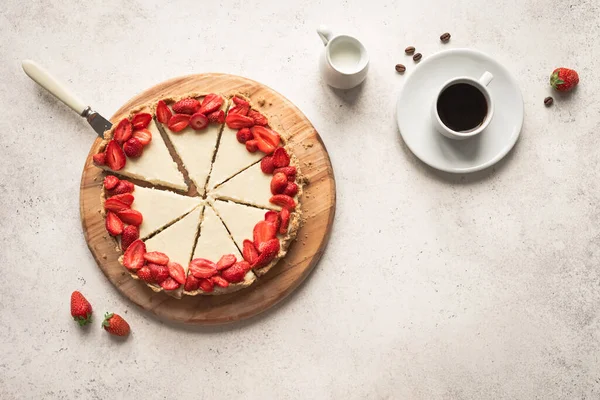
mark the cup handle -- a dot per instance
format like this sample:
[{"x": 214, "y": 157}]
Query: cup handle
[
  {"x": 486, "y": 78},
  {"x": 325, "y": 34}
]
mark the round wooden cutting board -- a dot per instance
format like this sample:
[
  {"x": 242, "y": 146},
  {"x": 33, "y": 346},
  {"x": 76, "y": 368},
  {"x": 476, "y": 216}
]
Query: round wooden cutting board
[{"x": 318, "y": 205}]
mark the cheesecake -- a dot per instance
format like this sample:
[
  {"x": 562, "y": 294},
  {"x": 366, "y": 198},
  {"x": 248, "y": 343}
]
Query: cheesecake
[
  {"x": 232, "y": 157},
  {"x": 237, "y": 224},
  {"x": 213, "y": 242},
  {"x": 195, "y": 147},
  {"x": 160, "y": 208},
  {"x": 177, "y": 242},
  {"x": 154, "y": 164}
]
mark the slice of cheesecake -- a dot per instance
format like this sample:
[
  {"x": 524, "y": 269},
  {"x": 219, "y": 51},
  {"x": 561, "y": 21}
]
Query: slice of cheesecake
[
  {"x": 160, "y": 207},
  {"x": 177, "y": 241},
  {"x": 214, "y": 242},
  {"x": 240, "y": 221},
  {"x": 155, "y": 165},
  {"x": 232, "y": 157},
  {"x": 196, "y": 148},
  {"x": 251, "y": 186}
]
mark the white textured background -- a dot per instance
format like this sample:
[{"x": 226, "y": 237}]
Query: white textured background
[{"x": 432, "y": 287}]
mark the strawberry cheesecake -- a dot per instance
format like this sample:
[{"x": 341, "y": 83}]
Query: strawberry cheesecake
[
  {"x": 129, "y": 139},
  {"x": 237, "y": 224}
]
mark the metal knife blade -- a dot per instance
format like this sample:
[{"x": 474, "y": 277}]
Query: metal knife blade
[{"x": 97, "y": 121}]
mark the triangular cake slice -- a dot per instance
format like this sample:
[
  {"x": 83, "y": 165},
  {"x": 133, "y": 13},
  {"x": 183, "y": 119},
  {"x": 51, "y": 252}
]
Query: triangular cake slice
[
  {"x": 251, "y": 186},
  {"x": 214, "y": 242},
  {"x": 177, "y": 241},
  {"x": 155, "y": 165},
  {"x": 232, "y": 157},
  {"x": 160, "y": 207},
  {"x": 196, "y": 148},
  {"x": 240, "y": 221}
]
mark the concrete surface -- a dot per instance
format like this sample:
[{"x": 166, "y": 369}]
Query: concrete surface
[{"x": 432, "y": 287}]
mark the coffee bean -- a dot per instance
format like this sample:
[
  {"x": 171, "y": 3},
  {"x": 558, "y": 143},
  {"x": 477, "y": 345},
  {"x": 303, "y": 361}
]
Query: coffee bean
[
  {"x": 400, "y": 68},
  {"x": 410, "y": 50},
  {"x": 445, "y": 37},
  {"x": 548, "y": 101},
  {"x": 417, "y": 57}
]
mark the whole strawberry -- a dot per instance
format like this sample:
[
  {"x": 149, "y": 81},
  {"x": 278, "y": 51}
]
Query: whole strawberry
[
  {"x": 81, "y": 309},
  {"x": 564, "y": 79},
  {"x": 115, "y": 325}
]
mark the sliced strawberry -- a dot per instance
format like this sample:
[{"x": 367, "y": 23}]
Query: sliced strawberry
[
  {"x": 130, "y": 234},
  {"x": 202, "y": 268},
  {"x": 186, "y": 106},
  {"x": 145, "y": 274},
  {"x": 273, "y": 217},
  {"x": 217, "y": 117},
  {"x": 266, "y": 165},
  {"x": 176, "y": 271},
  {"x": 159, "y": 272},
  {"x": 236, "y": 272},
  {"x": 238, "y": 101},
  {"x": 291, "y": 189},
  {"x": 198, "y": 121},
  {"x": 170, "y": 284},
  {"x": 219, "y": 281},
  {"x": 258, "y": 118},
  {"x": 226, "y": 261},
  {"x": 238, "y": 121},
  {"x": 141, "y": 120},
  {"x": 179, "y": 122},
  {"x": 283, "y": 201},
  {"x": 207, "y": 285},
  {"x": 270, "y": 250},
  {"x": 243, "y": 135},
  {"x": 110, "y": 181},
  {"x": 268, "y": 140},
  {"x": 115, "y": 157},
  {"x": 115, "y": 205},
  {"x": 252, "y": 146},
  {"x": 163, "y": 114},
  {"x": 278, "y": 183},
  {"x": 131, "y": 217},
  {"x": 133, "y": 148},
  {"x": 126, "y": 198},
  {"x": 281, "y": 158},
  {"x": 99, "y": 158},
  {"x": 241, "y": 110},
  {"x": 156, "y": 257},
  {"x": 123, "y": 131},
  {"x": 289, "y": 171},
  {"x": 211, "y": 102},
  {"x": 143, "y": 135},
  {"x": 122, "y": 187},
  {"x": 249, "y": 252},
  {"x": 284, "y": 214},
  {"x": 263, "y": 232},
  {"x": 114, "y": 225},
  {"x": 133, "y": 259},
  {"x": 191, "y": 283}
]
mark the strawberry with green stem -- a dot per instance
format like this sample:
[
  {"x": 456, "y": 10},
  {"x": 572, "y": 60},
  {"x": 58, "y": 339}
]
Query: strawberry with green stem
[
  {"x": 564, "y": 79},
  {"x": 81, "y": 309}
]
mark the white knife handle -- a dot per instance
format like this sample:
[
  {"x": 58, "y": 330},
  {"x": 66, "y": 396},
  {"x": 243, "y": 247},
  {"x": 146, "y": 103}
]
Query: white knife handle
[{"x": 51, "y": 84}]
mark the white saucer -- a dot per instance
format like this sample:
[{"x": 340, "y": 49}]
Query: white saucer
[{"x": 416, "y": 100}]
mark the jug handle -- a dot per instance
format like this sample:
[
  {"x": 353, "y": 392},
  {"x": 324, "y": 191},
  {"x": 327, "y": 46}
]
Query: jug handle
[{"x": 325, "y": 34}]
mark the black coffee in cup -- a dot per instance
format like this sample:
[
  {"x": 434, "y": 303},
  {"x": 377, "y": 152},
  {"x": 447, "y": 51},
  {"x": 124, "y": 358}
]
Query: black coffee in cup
[{"x": 462, "y": 107}]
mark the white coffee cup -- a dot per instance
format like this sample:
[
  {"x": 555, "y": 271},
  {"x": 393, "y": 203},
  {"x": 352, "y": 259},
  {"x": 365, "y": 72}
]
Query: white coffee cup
[
  {"x": 480, "y": 84},
  {"x": 344, "y": 62}
]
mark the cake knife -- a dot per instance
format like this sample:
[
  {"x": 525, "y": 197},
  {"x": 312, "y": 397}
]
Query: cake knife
[{"x": 43, "y": 78}]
